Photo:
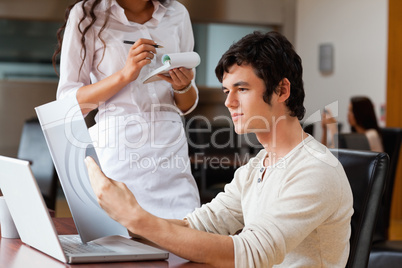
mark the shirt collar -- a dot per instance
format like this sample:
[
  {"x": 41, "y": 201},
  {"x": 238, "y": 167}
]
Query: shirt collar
[
  {"x": 116, "y": 11},
  {"x": 263, "y": 158},
  {"x": 159, "y": 11}
]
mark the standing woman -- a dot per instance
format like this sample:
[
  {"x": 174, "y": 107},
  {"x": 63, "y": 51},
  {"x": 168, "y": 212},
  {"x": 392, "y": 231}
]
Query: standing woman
[{"x": 138, "y": 135}]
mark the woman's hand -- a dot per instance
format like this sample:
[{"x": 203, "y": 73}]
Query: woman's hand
[
  {"x": 327, "y": 118},
  {"x": 179, "y": 77},
  {"x": 140, "y": 54}
]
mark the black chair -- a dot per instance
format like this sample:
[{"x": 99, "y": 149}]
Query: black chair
[
  {"x": 355, "y": 141},
  {"x": 387, "y": 253},
  {"x": 33, "y": 148},
  {"x": 367, "y": 172},
  {"x": 213, "y": 150},
  {"x": 308, "y": 128},
  {"x": 391, "y": 139}
]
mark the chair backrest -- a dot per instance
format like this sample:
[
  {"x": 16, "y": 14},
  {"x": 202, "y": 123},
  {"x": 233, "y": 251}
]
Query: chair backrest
[
  {"x": 308, "y": 128},
  {"x": 391, "y": 139},
  {"x": 33, "y": 148},
  {"x": 367, "y": 172},
  {"x": 356, "y": 141}
]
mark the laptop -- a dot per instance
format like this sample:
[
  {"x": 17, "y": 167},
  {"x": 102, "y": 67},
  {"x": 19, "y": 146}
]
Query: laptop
[
  {"x": 36, "y": 228},
  {"x": 69, "y": 143}
]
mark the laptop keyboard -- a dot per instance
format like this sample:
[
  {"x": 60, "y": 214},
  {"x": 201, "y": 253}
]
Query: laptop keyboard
[{"x": 73, "y": 245}]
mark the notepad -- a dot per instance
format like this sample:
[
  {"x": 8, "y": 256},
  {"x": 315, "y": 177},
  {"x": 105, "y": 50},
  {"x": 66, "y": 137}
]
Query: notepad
[{"x": 170, "y": 61}]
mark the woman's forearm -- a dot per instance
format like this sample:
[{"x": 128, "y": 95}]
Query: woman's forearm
[
  {"x": 91, "y": 96},
  {"x": 185, "y": 101}
]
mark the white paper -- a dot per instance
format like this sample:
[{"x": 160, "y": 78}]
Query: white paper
[{"x": 170, "y": 61}]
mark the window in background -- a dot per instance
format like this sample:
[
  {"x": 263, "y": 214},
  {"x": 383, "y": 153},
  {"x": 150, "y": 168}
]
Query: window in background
[
  {"x": 211, "y": 41},
  {"x": 26, "y": 49}
]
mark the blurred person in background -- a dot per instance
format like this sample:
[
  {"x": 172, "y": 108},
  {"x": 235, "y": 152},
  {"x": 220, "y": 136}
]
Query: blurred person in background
[{"x": 361, "y": 118}]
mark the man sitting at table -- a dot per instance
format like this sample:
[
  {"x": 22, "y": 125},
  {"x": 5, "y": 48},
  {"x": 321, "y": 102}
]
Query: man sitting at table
[{"x": 290, "y": 206}]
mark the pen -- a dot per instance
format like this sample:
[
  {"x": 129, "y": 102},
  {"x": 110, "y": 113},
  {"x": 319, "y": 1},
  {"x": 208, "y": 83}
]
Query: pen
[{"x": 132, "y": 43}]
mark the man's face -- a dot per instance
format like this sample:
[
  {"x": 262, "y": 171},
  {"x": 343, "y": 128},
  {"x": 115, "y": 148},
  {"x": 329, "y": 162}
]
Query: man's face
[{"x": 245, "y": 90}]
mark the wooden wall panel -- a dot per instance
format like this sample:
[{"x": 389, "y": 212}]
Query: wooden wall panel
[
  {"x": 51, "y": 10},
  {"x": 394, "y": 92}
]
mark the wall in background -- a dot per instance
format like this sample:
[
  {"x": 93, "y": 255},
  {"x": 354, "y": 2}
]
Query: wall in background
[
  {"x": 17, "y": 102},
  {"x": 276, "y": 13},
  {"x": 211, "y": 41},
  {"x": 34, "y": 10},
  {"x": 358, "y": 32},
  {"x": 357, "y": 29},
  {"x": 239, "y": 11},
  {"x": 21, "y": 92},
  {"x": 217, "y": 24},
  {"x": 394, "y": 93},
  {"x": 27, "y": 79}
]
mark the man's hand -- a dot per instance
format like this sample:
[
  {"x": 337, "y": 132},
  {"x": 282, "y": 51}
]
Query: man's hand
[
  {"x": 113, "y": 196},
  {"x": 173, "y": 235}
]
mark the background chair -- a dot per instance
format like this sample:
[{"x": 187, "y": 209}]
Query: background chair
[
  {"x": 367, "y": 172},
  {"x": 213, "y": 150},
  {"x": 33, "y": 148},
  {"x": 308, "y": 128},
  {"x": 216, "y": 151},
  {"x": 387, "y": 253},
  {"x": 392, "y": 138},
  {"x": 356, "y": 141}
]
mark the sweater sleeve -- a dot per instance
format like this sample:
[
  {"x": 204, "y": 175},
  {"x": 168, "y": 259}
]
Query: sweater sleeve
[
  {"x": 223, "y": 215},
  {"x": 298, "y": 216}
]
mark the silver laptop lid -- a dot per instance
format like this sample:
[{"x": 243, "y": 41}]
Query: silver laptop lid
[
  {"x": 37, "y": 230},
  {"x": 69, "y": 142},
  {"x": 28, "y": 208}
]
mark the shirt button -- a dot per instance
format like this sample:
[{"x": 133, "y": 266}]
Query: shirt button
[{"x": 262, "y": 169}]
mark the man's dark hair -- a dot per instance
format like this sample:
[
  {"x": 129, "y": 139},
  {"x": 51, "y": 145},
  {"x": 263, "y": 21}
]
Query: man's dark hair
[{"x": 273, "y": 58}]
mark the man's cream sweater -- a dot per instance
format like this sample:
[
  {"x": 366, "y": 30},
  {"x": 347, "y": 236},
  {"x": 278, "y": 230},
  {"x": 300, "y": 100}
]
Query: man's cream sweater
[{"x": 297, "y": 216}]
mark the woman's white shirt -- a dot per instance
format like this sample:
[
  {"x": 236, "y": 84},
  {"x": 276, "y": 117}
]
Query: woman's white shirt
[
  {"x": 170, "y": 26},
  {"x": 139, "y": 135},
  {"x": 374, "y": 140}
]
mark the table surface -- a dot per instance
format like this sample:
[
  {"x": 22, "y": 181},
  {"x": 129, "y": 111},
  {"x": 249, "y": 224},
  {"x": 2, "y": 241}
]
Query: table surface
[{"x": 15, "y": 254}]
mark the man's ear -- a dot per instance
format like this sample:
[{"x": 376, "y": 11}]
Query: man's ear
[{"x": 283, "y": 90}]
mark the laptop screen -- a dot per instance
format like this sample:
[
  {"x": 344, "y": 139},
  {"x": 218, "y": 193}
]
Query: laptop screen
[{"x": 69, "y": 142}]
